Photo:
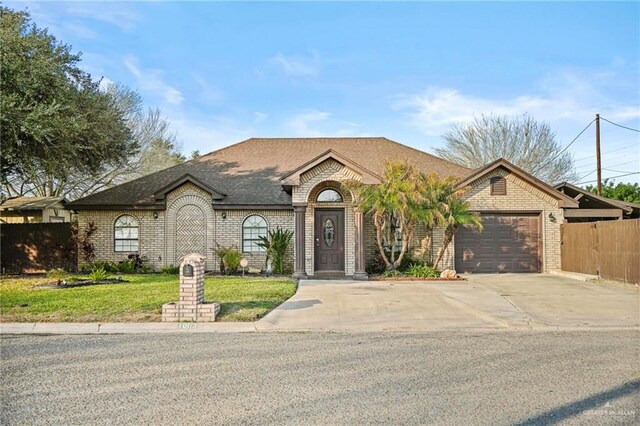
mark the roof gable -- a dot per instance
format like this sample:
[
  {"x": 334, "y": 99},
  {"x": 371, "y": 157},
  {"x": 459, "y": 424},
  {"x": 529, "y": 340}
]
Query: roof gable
[
  {"x": 293, "y": 178},
  {"x": 31, "y": 203},
  {"x": 501, "y": 163},
  {"x": 616, "y": 204},
  {"x": 187, "y": 178}
]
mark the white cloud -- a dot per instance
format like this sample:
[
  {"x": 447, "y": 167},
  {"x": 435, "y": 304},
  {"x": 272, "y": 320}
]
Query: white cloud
[
  {"x": 105, "y": 83},
  {"x": 305, "y": 123},
  {"x": 150, "y": 82},
  {"x": 565, "y": 97},
  {"x": 117, "y": 14},
  {"x": 298, "y": 66},
  {"x": 315, "y": 123},
  {"x": 259, "y": 117},
  {"x": 72, "y": 19},
  {"x": 207, "y": 92},
  {"x": 206, "y": 133}
]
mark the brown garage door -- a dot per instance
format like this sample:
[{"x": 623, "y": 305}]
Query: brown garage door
[{"x": 509, "y": 243}]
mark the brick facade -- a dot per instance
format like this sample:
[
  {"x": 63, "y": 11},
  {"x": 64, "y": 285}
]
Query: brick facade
[
  {"x": 521, "y": 197},
  {"x": 328, "y": 174},
  {"x": 191, "y": 204},
  {"x": 187, "y": 204}
]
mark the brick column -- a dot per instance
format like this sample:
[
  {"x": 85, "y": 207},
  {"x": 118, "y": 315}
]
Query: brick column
[
  {"x": 299, "y": 214},
  {"x": 358, "y": 221}
]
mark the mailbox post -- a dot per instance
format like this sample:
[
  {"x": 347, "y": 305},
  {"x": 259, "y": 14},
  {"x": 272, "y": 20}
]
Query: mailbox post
[{"x": 191, "y": 306}]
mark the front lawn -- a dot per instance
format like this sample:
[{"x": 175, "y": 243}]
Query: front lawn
[{"x": 139, "y": 300}]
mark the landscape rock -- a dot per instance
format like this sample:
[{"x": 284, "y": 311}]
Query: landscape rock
[{"x": 448, "y": 273}]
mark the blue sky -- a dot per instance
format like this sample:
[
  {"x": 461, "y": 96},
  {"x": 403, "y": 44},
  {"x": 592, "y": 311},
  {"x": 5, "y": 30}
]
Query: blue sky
[{"x": 223, "y": 72}]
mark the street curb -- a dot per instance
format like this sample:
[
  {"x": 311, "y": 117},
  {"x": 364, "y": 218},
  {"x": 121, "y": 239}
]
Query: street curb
[
  {"x": 251, "y": 327},
  {"x": 125, "y": 328}
]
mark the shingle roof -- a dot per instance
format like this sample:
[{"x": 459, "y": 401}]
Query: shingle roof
[
  {"x": 249, "y": 172},
  {"x": 30, "y": 203}
]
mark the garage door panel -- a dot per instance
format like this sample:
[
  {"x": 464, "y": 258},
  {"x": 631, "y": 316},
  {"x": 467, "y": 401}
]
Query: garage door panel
[{"x": 509, "y": 243}]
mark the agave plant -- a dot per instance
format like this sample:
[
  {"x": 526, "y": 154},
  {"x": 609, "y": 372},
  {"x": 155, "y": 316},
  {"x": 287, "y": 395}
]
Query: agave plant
[{"x": 276, "y": 244}]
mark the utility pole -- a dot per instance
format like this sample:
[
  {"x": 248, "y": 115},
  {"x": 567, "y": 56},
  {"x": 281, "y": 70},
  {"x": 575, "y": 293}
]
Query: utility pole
[{"x": 598, "y": 166}]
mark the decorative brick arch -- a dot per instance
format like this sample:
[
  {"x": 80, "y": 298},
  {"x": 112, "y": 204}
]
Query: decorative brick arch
[
  {"x": 192, "y": 207},
  {"x": 347, "y": 196}
]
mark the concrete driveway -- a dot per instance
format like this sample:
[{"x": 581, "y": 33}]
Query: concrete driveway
[{"x": 483, "y": 302}]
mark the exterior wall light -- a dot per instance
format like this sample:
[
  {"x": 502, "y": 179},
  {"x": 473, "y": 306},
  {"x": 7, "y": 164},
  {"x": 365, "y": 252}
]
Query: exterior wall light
[
  {"x": 224, "y": 215},
  {"x": 155, "y": 215},
  {"x": 552, "y": 217}
]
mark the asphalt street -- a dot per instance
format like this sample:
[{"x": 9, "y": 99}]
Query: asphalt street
[{"x": 500, "y": 377}]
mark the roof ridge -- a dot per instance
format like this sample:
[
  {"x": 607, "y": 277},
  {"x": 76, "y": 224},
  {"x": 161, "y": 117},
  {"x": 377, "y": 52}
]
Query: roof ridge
[{"x": 426, "y": 153}]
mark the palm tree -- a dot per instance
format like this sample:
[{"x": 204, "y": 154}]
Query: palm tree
[
  {"x": 437, "y": 193},
  {"x": 456, "y": 214},
  {"x": 394, "y": 204}
]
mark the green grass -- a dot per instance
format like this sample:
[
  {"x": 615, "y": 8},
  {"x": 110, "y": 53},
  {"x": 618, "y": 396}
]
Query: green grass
[{"x": 139, "y": 300}]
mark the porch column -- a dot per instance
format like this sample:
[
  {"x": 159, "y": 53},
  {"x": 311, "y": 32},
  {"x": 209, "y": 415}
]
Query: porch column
[
  {"x": 299, "y": 214},
  {"x": 359, "y": 273}
]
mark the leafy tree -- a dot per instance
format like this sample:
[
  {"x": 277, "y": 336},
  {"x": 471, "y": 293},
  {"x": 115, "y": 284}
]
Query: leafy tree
[
  {"x": 521, "y": 140},
  {"x": 157, "y": 148},
  {"x": 62, "y": 134},
  {"x": 629, "y": 192},
  {"x": 395, "y": 205},
  {"x": 456, "y": 214},
  {"x": 195, "y": 154},
  {"x": 54, "y": 120}
]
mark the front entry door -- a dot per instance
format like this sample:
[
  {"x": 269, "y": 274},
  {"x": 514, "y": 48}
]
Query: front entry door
[{"x": 329, "y": 240}]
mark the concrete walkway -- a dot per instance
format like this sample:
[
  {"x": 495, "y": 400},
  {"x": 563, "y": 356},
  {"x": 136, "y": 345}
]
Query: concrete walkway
[
  {"x": 508, "y": 301},
  {"x": 484, "y": 302}
]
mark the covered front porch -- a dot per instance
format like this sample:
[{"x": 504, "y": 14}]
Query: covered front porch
[{"x": 329, "y": 229}]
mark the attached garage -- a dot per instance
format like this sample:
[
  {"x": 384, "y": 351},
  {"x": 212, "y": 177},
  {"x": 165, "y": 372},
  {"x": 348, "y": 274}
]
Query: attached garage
[{"x": 509, "y": 243}]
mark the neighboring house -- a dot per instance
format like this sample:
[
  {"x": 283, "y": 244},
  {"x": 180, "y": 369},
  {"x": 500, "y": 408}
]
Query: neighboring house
[
  {"x": 34, "y": 210},
  {"x": 234, "y": 195},
  {"x": 592, "y": 207}
]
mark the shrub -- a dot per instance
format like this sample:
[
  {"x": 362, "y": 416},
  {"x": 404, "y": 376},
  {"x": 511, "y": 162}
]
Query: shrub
[
  {"x": 57, "y": 274},
  {"x": 388, "y": 274},
  {"x": 170, "y": 270},
  {"x": 126, "y": 267},
  {"x": 377, "y": 265},
  {"x": 276, "y": 245},
  {"x": 104, "y": 264},
  {"x": 232, "y": 260},
  {"x": 98, "y": 274},
  {"x": 422, "y": 271}
]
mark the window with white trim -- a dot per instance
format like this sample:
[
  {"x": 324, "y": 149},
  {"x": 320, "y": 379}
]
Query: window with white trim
[
  {"x": 253, "y": 228},
  {"x": 125, "y": 234}
]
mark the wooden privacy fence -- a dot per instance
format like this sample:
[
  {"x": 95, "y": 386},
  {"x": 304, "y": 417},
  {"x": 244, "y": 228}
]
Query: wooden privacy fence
[
  {"x": 36, "y": 247},
  {"x": 610, "y": 249}
]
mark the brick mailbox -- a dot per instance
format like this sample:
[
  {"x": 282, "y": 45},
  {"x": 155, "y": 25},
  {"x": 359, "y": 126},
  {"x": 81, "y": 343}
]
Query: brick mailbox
[{"x": 191, "y": 306}]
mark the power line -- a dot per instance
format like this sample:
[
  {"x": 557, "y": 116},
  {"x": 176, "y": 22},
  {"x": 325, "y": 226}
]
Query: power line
[
  {"x": 620, "y": 125},
  {"x": 608, "y": 152},
  {"x": 617, "y": 171},
  {"x": 564, "y": 149},
  {"x": 609, "y": 160},
  {"x": 610, "y": 177},
  {"x": 588, "y": 174}
]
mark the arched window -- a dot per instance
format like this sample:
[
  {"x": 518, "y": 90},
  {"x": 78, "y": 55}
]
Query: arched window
[
  {"x": 329, "y": 196},
  {"x": 125, "y": 233},
  {"x": 253, "y": 228}
]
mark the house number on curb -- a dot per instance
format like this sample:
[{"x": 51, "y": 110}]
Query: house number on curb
[{"x": 328, "y": 232}]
